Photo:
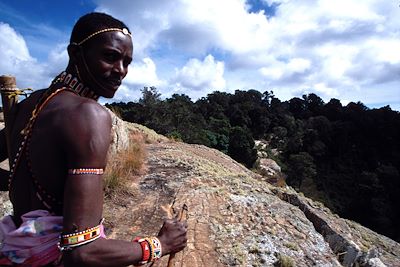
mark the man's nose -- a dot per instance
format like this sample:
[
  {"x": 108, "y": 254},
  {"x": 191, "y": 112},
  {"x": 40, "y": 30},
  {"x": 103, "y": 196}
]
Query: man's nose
[{"x": 120, "y": 68}]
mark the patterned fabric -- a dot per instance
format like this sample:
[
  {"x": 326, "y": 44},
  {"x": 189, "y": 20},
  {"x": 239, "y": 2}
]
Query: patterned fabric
[{"x": 34, "y": 243}]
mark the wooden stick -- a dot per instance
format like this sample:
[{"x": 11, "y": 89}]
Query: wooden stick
[
  {"x": 181, "y": 215},
  {"x": 7, "y": 86}
]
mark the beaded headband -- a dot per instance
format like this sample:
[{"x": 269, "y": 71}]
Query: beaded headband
[{"x": 124, "y": 31}]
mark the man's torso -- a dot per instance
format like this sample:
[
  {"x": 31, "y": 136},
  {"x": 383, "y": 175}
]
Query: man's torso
[{"x": 40, "y": 177}]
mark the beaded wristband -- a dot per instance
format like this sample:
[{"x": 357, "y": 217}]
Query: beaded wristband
[
  {"x": 146, "y": 250},
  {"x": 151, "y": 249},
  {"x": 156, "y": 250}
]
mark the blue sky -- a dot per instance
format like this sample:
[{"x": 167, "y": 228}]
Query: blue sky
[{"x": 344, "y": 49}]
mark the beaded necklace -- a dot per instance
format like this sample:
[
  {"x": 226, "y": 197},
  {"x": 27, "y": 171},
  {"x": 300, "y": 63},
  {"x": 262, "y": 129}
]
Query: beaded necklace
[
  {"x": 75, "y": 85},
  {"x": 72, "y": 84}
]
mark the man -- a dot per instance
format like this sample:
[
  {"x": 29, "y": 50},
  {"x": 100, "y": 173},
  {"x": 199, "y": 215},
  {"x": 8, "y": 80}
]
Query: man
[{"x": 60, "y": 140}]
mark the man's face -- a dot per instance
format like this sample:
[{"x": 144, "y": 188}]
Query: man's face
[{"x": 107, "y": 58}]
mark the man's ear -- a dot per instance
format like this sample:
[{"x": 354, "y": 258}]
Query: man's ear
[{"x": 73, "y": 52}]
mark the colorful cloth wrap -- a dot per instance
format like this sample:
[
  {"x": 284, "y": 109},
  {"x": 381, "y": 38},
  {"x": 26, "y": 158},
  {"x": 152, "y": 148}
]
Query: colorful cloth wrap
[{"x": 34, "y": 243}]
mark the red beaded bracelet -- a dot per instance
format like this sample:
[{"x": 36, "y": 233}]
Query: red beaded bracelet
[{"x": 146, "y": 249}]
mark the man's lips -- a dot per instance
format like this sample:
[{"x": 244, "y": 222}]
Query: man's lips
[{"x": 114, "y": 82}]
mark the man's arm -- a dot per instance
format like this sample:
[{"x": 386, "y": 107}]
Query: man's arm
[
  {"x": 3, "y": 155},
  {"x": 86, "y": 146},
  {"x": 3, "y": 145}
]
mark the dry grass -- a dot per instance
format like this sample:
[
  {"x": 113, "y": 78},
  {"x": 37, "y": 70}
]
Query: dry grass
[
  {"x": 116, "y": 111},
  {"x": 281, "y": 181},
  {"x": 284, "y": 261},
  {"x": 150, "y": 136},
  {"x": 124, "y": 165}
]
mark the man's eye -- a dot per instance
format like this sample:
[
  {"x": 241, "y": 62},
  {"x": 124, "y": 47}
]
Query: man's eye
[
  {"x": 110, "y": 57},
  {"x": 127, "y": 62}
]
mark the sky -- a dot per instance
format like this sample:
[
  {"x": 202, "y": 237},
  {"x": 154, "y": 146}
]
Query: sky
[{"x": 343, "y": 49}]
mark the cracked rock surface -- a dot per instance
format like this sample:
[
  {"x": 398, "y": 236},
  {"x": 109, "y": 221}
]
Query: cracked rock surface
[{"x": 235, "y": 219}]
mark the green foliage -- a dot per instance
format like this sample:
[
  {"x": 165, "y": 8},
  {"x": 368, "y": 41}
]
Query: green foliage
[
  {"x": 218, "y": 133},
  {"x": 175, "y": 135},
  {"x": 241, "y": 146},
  {"x": 300, "y": 166},
  {"x": 150, "y": 96},
  {"x": 218, "y": 141}
]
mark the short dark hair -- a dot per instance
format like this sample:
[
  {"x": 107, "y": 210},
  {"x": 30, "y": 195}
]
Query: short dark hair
[{"x": 93, "y": 22}]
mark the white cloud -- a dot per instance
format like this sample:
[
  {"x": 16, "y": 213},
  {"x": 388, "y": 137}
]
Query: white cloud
[
  {"x": 335, "y": 48},
  {"x": 386, "y": 50},
  {"x": 298, "y": 65},
  {"x": 320, "y": 89},
  {"x": 143, "y": 73},
  {"x": 145, "y": 18},
  {"x": 13, "y": 45},
  {"x": 140, "y": 74},
  {"x": 281, "y": 71},
  {"x": 224, "y": 24},
  {"x": 306, "y": 43},
  {"x": 201, "y": 75},
  {"x": 124, "y": 94},
  {"x": 57, "y": 59},
  {"x": 16, "y": 60}
]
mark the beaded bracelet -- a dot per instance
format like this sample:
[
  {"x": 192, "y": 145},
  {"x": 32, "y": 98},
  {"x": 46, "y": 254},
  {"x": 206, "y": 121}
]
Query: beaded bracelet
[
  {"x": 146, "y": 250},
  {"x": 156, "y": 251},
  {"x": 151, "y": 249}
]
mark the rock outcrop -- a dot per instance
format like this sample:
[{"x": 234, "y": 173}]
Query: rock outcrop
[
  {"x": 235, "y": 218},
  {"x": 268, "y": 167}
]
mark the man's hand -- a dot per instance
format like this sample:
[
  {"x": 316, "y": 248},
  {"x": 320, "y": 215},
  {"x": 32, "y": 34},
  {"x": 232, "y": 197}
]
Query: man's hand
[{"x": 173, "y": 236}]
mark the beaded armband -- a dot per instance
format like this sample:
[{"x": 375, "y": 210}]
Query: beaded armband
[
  {"x": 86, "y": 171},
  {"x": 69, "y": 241},
  {"x": 151, "y": 249}
]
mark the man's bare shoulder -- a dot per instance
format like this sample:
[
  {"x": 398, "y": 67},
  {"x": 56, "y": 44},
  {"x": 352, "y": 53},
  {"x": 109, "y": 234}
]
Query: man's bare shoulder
[
  {"x": 74, "y": 114},
  {"x": 77, "y": 108}
]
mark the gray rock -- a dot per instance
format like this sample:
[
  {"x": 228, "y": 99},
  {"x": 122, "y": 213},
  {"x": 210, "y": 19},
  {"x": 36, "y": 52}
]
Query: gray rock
[
  {"x": 375, "y": 262},
  {"x": 268, "y": 167}
]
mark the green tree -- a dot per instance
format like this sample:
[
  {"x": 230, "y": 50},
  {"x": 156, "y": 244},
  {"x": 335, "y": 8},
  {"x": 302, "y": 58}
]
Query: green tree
[
  {"x": 218, "y": 133},
  {"x": 300, "y": 167},
  {"x": 241, "y": 146},
  {"x": 150, "y": 96}
]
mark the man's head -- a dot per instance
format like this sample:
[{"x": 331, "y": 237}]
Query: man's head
[
  {"x": 100, "y": 51},
  {"x": 94, "y": 22}
]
